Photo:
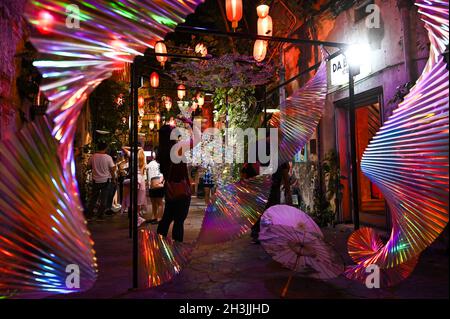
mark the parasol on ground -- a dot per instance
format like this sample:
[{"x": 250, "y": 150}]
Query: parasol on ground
[
  {"x": 298, "y": 246},
  {"x": 290, "y": 216}
]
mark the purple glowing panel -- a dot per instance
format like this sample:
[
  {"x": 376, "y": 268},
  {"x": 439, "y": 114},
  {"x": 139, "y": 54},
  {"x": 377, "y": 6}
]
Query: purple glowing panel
[
  {"x": 42, "y": 228},
  {"x": 408, "y": 160}
]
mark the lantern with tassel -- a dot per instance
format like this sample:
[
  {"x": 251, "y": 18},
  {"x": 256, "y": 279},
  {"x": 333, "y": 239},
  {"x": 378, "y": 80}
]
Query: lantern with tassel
[{"x": 234, "y": 12}]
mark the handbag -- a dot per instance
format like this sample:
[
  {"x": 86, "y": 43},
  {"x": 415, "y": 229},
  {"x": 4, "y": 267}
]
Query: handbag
[
  {"x": 177, "y": 190},
  {"x": 155, "y": 182}
]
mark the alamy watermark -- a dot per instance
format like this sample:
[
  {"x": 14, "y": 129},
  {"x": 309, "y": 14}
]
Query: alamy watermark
[
  {"x": 227, "y": 146},
  {"x": 73, "y": 277}
]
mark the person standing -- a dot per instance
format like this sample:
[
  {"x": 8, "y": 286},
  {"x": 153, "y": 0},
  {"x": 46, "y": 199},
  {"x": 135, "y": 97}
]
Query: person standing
[
  {"x": 279, "y": 178},
  {"x": 103, "y": 177},
  {"x": 156, "y": 189},
  {"x": 208, "y": 185},
  {"x": 177, "y": 184},
  {"x": 141, "y": 189}
]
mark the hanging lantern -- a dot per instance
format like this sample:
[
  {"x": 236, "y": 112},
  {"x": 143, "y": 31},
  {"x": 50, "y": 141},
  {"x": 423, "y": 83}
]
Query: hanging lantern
[
  {"x": 158, "y": 118},
  {"x": 260, "y": 50},
  {"x": 151, "y": 125},
  {"x": 262, "y": 10},
  {"x": 181, "y": 91},
  {"x": 234, "y": 12},
  {"x": 160, "y": 47},
  {"x": 141, "y": 112},
  {"x": 154, "y": 80},
  {"x": 45, "y": 22},
  {"x": 141, "y": 101},
  {"x": 265, "y": 26},
  {"x": 202, "y": 49}
]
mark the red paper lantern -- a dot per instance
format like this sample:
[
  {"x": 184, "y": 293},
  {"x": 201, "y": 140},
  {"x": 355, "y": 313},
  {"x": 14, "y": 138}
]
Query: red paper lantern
[
  {"x": 234, "y": 11},
  {"x": 45, "y": 22},
  {"x": 160, "y": 47},
  {"x": 154, "y": 80},
  {"x": 260, "y": 50},
  {"x": 141, "y": 101}
]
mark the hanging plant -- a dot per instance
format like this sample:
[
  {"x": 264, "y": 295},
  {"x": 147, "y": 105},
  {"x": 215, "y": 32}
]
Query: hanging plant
[{"x": 227, "y": 71}]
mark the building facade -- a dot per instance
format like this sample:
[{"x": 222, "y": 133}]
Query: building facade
[{"x": 394, "y": 50}]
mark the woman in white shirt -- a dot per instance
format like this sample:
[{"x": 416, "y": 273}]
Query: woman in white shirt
[{"x": 156, "y": 192}]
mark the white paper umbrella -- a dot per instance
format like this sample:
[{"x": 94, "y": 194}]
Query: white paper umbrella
[
  {"x": 301, "y": 251},
  {"x": 290, "y": 216}
]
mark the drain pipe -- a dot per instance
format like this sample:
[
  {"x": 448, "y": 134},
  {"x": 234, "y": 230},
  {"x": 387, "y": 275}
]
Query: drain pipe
[{"x": 404, "y": 7}]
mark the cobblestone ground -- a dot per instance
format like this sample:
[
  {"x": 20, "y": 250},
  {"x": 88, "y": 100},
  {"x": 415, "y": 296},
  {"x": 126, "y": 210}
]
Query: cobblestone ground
[{"x": 240, "y": 269}]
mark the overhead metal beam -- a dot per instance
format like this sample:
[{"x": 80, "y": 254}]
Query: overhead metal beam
[{"x": 198, "y": 30}]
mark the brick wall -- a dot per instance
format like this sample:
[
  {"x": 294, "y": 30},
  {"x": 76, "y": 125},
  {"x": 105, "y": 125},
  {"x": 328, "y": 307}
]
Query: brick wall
[{"x": 13, "y": 30}]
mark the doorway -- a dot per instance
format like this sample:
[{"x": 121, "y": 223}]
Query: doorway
[{"x": 368, "y": 120}]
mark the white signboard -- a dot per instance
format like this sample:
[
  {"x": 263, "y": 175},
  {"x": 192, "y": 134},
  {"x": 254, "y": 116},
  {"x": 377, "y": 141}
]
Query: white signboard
[{"x": 339, "y": 70}]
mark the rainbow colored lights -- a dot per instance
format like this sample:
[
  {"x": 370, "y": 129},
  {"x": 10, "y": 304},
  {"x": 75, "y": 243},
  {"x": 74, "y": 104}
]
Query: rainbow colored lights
[
  {"x": 408, "y": 160},
  {"x": 42, "y": 225},
  {"x": 41, "y": 222}
]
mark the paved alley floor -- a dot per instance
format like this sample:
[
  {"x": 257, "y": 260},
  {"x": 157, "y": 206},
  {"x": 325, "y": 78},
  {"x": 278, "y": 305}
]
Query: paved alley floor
[{"x": 240, "y": 269}]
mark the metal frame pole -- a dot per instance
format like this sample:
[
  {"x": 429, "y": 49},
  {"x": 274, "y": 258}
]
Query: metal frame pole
[
  {"x": 134, "y": 171},
  {"x": 354, "y": 170},
  {"x": 240, "y": 35}
]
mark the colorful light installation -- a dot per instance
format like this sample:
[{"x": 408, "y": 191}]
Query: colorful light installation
[
  {"x": 408, "y": 161},
  {"x": 237, "y": 207},
  {"x": 300, "y": 114},
  {"x": 73, "y": 62},
  {"x": 160, "y": 259},
  {"x": 42, "y": 227}
]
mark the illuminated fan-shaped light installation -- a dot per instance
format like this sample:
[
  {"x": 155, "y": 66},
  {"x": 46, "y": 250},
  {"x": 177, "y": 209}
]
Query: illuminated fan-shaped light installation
[
  {"x": 160, "y": 259},
  {"x": 42, "y": 228},
  {"x": 41, "y": 219},
  {"x": 236, "y": 208},
  {"x": 408, "y": 160},
  {"x": 75, "y": 60},
  {"x": 363, "y": 244},
  {"x": 300, "y": 114}
]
